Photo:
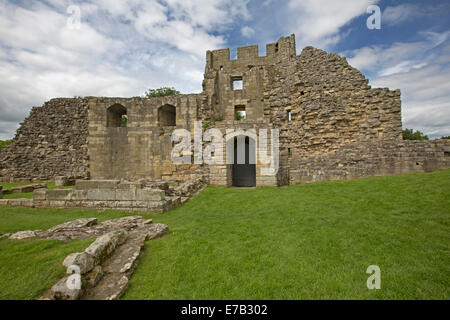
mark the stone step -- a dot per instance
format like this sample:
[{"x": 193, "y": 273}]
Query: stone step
[{"x": 118, "y": 268}]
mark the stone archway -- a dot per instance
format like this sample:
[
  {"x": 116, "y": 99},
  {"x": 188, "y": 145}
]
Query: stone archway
[{"x": 115, "y": 115}]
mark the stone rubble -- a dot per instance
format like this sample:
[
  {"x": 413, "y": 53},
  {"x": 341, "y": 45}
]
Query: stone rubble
[{"x": 106, "y": 264}]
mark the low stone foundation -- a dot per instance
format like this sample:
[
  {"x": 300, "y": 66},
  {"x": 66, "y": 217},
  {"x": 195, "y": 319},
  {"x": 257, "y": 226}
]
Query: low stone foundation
[
  {"x": 144, "y": 195},
  {"x": 107, "y": 194}
]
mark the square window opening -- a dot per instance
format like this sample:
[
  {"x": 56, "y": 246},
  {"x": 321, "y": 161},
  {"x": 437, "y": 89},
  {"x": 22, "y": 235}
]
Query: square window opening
[
  {"x": 240, "y": 113},
  {"x": 237, "y": 83}
]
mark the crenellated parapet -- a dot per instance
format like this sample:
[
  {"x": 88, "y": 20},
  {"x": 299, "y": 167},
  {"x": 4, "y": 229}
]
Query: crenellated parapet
[{"x": 220, "y": 59}]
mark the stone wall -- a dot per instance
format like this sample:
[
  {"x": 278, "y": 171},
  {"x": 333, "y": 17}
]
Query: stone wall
[
  {"x": 107, "y": 194},
  {"x": 51, "y": 141},
  {"x": 142, "y": 148},
  {"x": 366, "y": 159},
  {"x": 332, "y": 124}
]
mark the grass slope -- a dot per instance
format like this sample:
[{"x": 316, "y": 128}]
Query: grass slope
[{"x": 310, "y": 241}]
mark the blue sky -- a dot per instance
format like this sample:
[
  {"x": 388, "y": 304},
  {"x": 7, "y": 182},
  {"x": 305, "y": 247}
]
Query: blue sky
[{"x": 122, "y": 48}]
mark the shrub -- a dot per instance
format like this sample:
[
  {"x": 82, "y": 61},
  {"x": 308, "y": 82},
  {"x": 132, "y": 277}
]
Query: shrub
[
  {"x": 4, "y": 143},
  {"x": 161, "y": 92},
  {"x": 409, "y": 134}
]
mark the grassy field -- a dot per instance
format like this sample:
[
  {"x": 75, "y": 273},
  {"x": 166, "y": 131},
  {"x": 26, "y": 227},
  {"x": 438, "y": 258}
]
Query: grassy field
[
  {"x": 29, "y": 195},
  {"x": 310, "y": 241}
]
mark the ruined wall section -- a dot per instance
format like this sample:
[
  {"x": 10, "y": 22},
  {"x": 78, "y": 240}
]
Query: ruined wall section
[
  {"x": 51, "y": 141},
  {"x": 142, "y": 148},
  {"x": 330, "y": 105},
  {"x": 340, "y": 127},
  {"x": 376, "y": 158}
]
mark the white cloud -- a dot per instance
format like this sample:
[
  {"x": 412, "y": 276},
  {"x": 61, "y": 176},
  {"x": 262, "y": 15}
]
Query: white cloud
[
  {"x": 399, "y": 14},
  {"x": 247, "y": 31},
  {"x": 399, "y": 57},
  {"x": 420, "y": 71},
  {"x": 318, "y": 22},
  {"x": 425, "y": 98},
  {"x": 121, "y": 49}
]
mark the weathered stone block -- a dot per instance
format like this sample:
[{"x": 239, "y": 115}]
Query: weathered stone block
[
  {"x": 108, "y": 184},
  {"x": 27, "y": 203},
  {"x": 82, "y": 259},
  {"x": 140, "y": 204},
  {"x": 56, "y": 203},
  {"x": 123, "y": 204},
  {"x": 75, "y": 224},
  {"x": 59, "y": 194},
  {"x": 126, "y": 194},
  {"x": 106, "y": 244},
  {"x": 101, "y": 194},
  {"x": 41, "y": 203},
  {"x": 150, "y": 194},
  {"x": 130, "y": 185},
  {"x": 40, "y": 194},
  {"x": 61, "y": 181},
  {"x": 93, "y": 278},
  {"x": 73, "y": 204},
  {"x": 4, "y": 202},
  {"x": 21, "y": 235},
  {"x": 79, "y": 195},
  {"x": 61, "y": 291},
  {"x": 15, "y": 202},
  {"x": 86, "y": 184}
]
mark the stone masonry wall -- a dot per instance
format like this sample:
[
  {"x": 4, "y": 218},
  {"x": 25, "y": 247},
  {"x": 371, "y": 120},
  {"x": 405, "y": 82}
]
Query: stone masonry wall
[
  {"x": 142, "y": 148},
  {"x": 51, "y": 141},
  {"x": 366, "y": 159},
  {"x": 332, "y": 124}
]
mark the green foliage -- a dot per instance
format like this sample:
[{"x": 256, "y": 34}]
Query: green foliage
[
  {"x": 409, "y": 134},
  {"x": 205, "y": 124},
  {"x": 240, "y": 115},
  {"x": 4, "y": 143},
  {"x": 124, "y": 121},
  {"x": 445, "y": 137},
  {"x": 161, "y": 92}
]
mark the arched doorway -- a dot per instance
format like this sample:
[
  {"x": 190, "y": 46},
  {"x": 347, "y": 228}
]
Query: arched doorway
[
  {"x": 116, "y": 116},
  {"x": 244, "y": 167}
]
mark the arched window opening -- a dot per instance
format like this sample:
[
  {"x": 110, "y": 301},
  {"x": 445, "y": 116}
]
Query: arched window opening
[
  {"x": 116, "y": 116},
  {"x": 167, "y": 115}
]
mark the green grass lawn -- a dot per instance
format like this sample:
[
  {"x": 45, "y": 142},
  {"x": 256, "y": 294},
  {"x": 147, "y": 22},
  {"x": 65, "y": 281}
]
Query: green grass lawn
[
  {"x": 28, "y": 195},
  {"x": 311, "y": 241}
]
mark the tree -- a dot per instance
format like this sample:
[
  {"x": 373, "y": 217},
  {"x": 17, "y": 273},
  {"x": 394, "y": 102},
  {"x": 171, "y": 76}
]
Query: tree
[
  {"x": 4, "y": 143},
  {"x": 161, "y": 92},
  {"x": 445, "y": 137},
  {"x": 410, "y": 134}
]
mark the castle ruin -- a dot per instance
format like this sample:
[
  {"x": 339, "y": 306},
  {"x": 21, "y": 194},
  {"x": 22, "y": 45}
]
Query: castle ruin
[{"x": 332, "y": 125}]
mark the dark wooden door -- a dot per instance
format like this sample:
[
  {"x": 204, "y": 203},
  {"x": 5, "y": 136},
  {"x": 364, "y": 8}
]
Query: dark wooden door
[{"x": 244, "y": 175}]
